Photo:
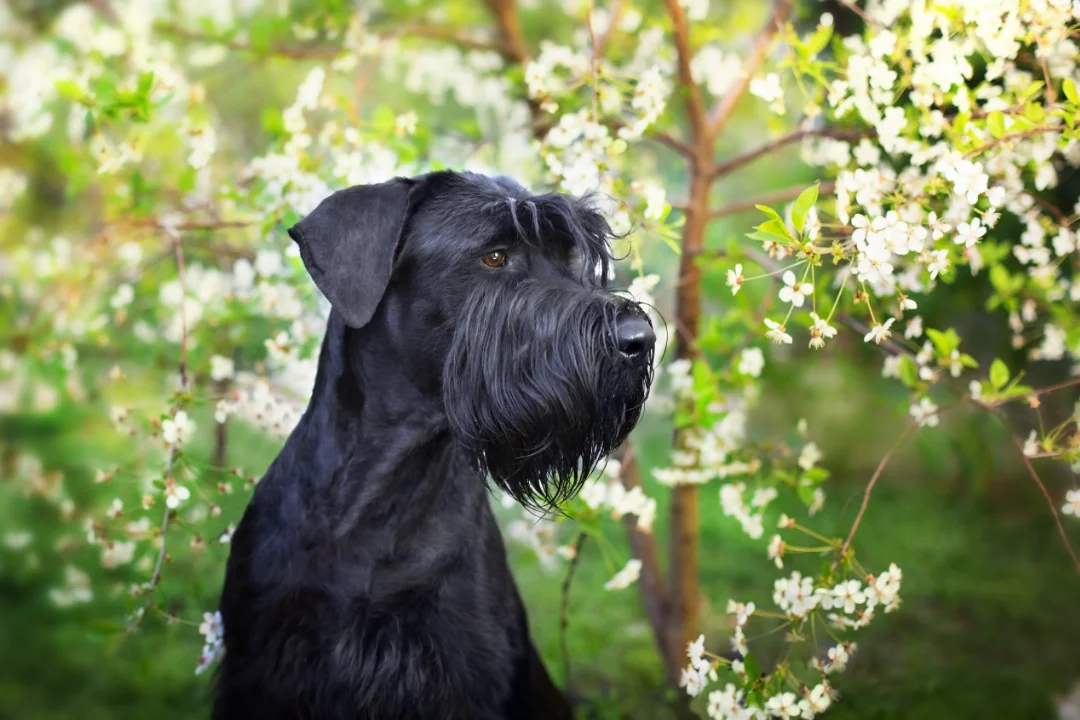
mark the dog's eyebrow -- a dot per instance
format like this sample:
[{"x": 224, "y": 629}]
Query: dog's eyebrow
[{"x": 535, "y": 216}]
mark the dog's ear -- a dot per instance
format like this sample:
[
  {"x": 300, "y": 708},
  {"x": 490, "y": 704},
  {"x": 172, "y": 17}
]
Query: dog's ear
[{"x": 348, "y": 244}]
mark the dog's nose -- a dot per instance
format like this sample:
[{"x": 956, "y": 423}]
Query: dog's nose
[{"x": 634, "y": 335}]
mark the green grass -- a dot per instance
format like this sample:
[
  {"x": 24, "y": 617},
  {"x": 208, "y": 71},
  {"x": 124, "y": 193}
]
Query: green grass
[{"x": 989, "y": 626}]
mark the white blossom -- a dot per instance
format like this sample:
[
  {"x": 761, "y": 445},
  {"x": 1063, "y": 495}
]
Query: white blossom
[{"x": 625, "y": 577}]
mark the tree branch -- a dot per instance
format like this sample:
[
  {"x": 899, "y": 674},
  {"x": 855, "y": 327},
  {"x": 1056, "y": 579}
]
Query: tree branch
[
  {"x": 783, "y": 195},
  {"x": 725, "y": 106},
  {"x": 749, "y": 156},
  {"x": 672, "y": 142},
  {"x": 454, "y": 36},
  {"x": 296, "y": 53},
  {"x": 695, "y": 107},
  {"x": 513, "y": 41}
]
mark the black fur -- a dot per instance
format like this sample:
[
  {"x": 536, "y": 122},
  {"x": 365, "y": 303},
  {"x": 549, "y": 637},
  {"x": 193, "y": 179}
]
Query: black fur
[{"x": 368, "y": 578}]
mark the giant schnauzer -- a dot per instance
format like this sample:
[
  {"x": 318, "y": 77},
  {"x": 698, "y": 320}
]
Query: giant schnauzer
[{"x": 471, "y": 334}]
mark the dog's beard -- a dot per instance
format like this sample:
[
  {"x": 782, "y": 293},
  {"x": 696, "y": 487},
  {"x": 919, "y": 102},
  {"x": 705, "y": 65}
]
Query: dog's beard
[{"x": 536, "y": 391}]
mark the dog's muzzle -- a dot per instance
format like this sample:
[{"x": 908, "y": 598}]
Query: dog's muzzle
[
  {"x": 634, "y": 335},
  {"x": 541, "y": 382}
]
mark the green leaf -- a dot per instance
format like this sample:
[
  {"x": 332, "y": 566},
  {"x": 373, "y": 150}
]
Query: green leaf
[
  {"x": 765, "y": 236},
  {"x": 818, "y": 40},
  {"x": 146, "y": 81},
  {"x": 960, "y": 122},
  {"x": 1031, "y": 90},
  {"x": 968, "y": 361},
  {"x": 909, "y": 372},
  {"x": 70, "y": 90},
  {"x": 673, "y": 244},
  {"x": 774, "y": 230},
  {"x": 1022, "y": 124},
  {"x": 999, "y": 278},
  {"x": 272, "y": 121},
  {"x": 999, "y": 374},
  {"x": 806, "y": 494},
  {"x": 945, "y": 342},
  {"x": 771, "y": 213},
  {"x": 753, "y": 669},
  {"x": 802, "y": 206},
  {"x": 1069, "y": 88},
  {"x": 683, "y": 418},
  {"x": 289, "y": 218},
  {"x": 384, "y": 118},
  {"x": 996, "y": 122}
]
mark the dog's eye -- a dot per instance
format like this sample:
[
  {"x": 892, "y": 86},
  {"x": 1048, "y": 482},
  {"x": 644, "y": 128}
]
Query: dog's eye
[{"x": 494, "y": 259}]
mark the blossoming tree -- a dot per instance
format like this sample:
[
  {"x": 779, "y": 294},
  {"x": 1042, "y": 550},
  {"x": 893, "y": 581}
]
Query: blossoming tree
[{"x": 940, "y": 132}]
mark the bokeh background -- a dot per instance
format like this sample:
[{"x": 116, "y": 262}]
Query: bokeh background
[{"x": 990, "y": 624}]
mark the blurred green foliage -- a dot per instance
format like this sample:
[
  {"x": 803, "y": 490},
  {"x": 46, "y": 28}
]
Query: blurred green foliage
[{"x": 989, "y": 627}]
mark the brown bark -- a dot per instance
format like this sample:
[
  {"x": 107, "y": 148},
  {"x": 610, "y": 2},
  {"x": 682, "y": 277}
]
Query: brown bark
[
  {"x": 685, "y": 595},
  {"x": 704, "y": 128},
  {"x": 683, "y": 548},
  {"x": 505, "y": 13}
]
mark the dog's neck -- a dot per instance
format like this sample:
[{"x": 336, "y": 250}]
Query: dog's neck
[{"x": 380, "y": 447}]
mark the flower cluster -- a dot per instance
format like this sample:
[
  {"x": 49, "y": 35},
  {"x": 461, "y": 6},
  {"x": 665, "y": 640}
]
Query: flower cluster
[
  {"x": 755, "y": 695},
  {"x": 212, "y": 629},
  {"x": 607, "y": 492}
]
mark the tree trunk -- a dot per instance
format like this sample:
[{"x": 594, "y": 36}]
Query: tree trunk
[{"x": 685, "y": 595}]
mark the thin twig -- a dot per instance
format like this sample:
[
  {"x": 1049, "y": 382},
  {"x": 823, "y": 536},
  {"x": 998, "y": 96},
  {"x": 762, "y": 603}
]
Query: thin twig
[
  {"x": 564, "y": 607},
  {"x": 873, "y": 481},
  {"x": 888, "y": 345},
  {"x": 1020, "y": 135},
  {"x": 1050, "y": 207},
  {"x": 1051, "y": 94},
  {"x": 185, "y": 226},
  {"x": 155, "y": 577},
  {"x": 183, "y": 306},
  {"x": 1046, "y": 494},
  {"x": 614, "y": 14},
  {"x": 1036, "y": 393},
  {"x": 725, "y": 106}
]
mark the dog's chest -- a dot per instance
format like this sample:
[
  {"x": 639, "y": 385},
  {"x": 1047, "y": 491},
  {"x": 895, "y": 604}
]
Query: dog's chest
[{"x": 441, "y": 649}]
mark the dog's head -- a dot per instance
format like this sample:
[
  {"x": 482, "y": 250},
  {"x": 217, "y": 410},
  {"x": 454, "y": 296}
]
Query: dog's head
[{"x": 501, "y": 298}]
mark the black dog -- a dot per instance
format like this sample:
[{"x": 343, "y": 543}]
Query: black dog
[{"x": 470, "y": 334}]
